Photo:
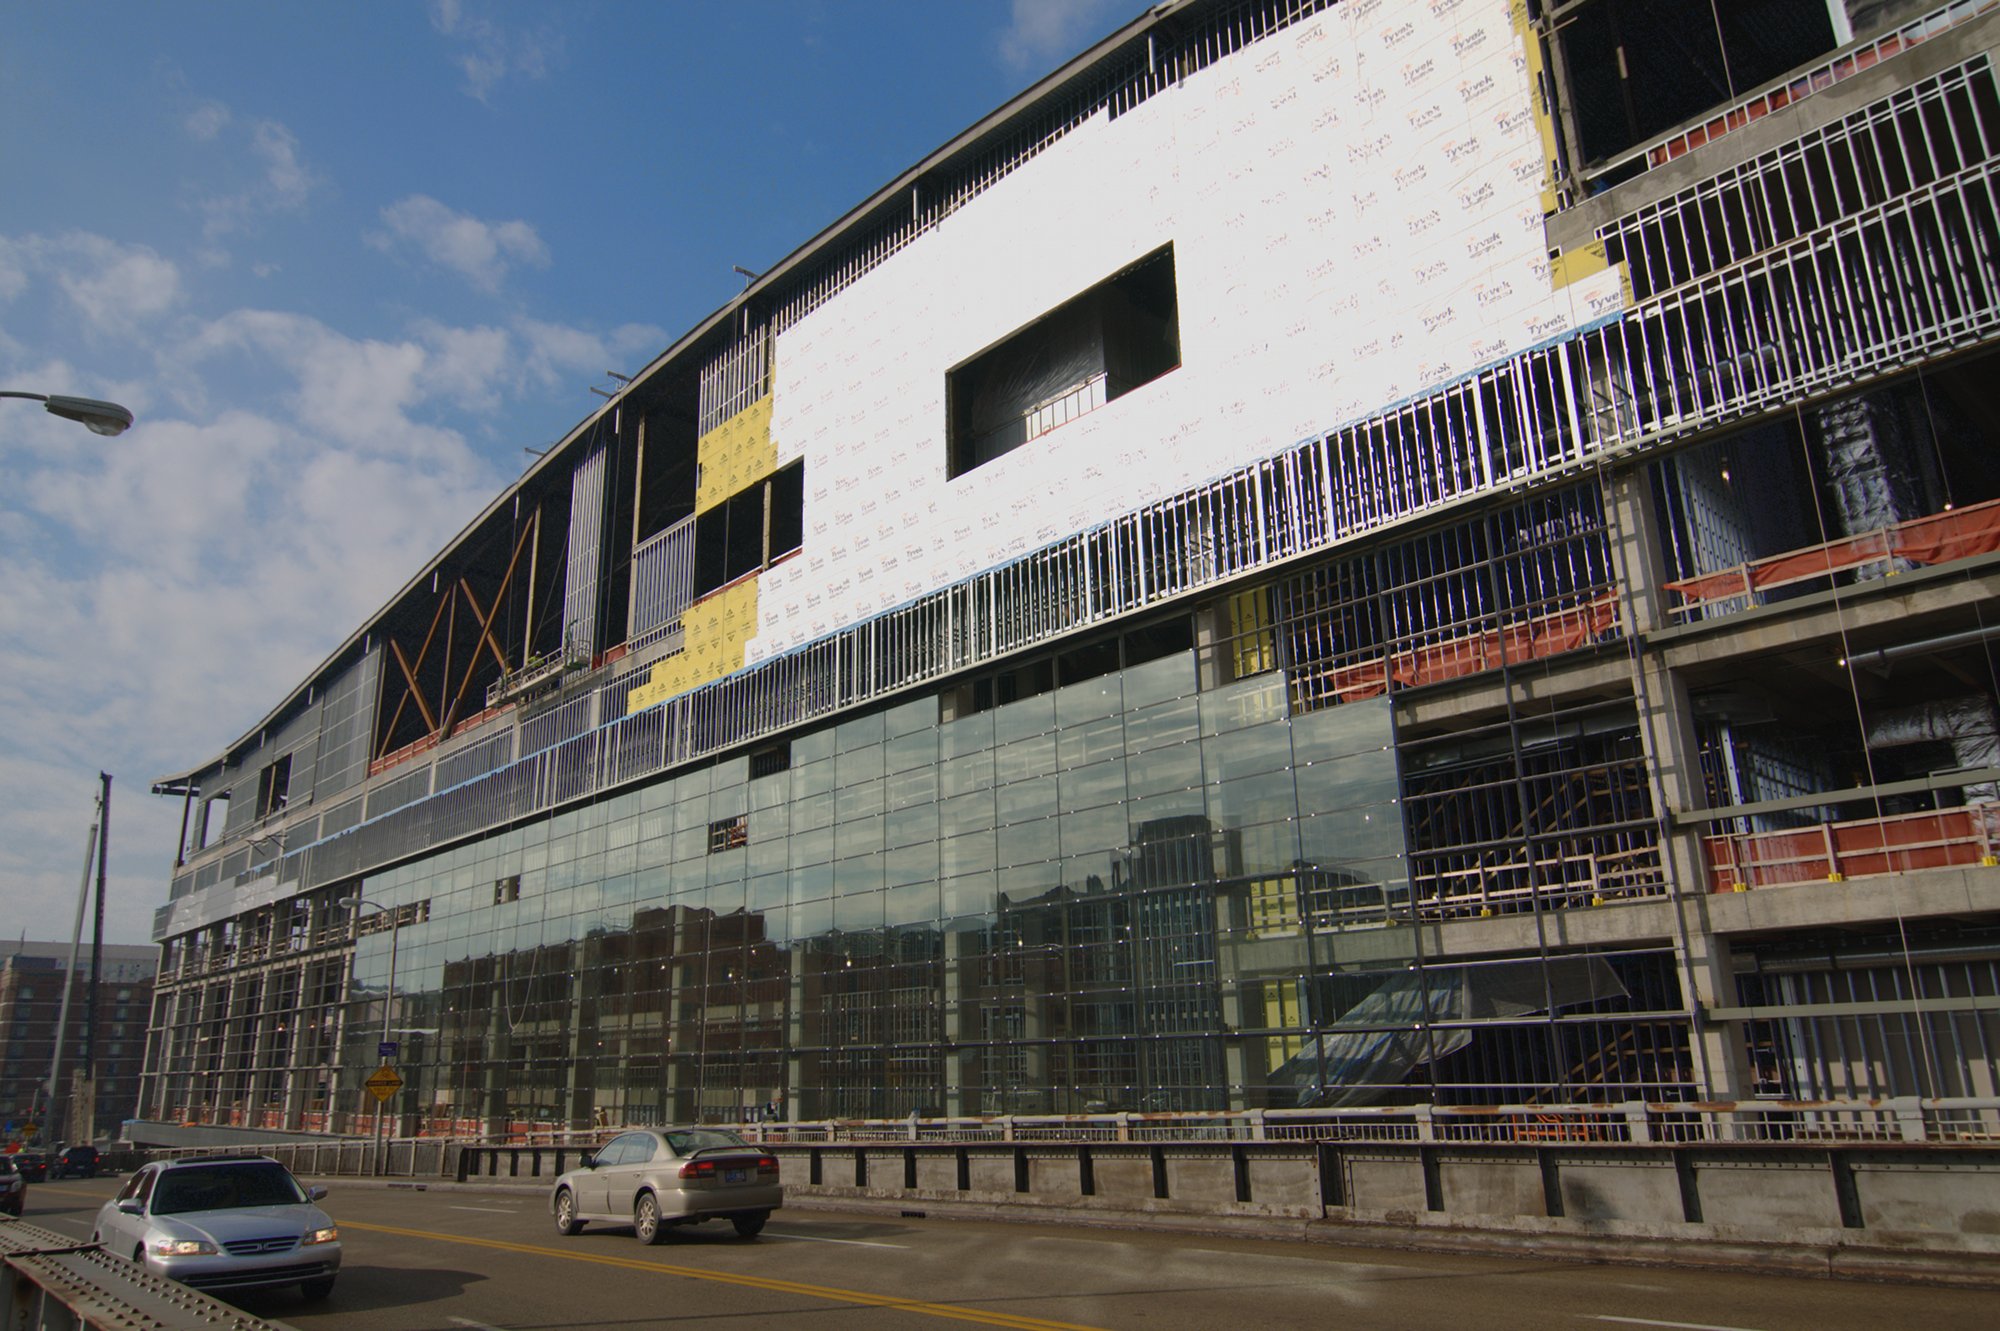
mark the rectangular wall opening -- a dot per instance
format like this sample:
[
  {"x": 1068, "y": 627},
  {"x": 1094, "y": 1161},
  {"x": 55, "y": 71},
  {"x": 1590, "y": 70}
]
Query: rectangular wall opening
[{"x": 1092, "y": 349}]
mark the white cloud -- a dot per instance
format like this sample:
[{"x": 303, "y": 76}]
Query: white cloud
[
  {"x": 206, "y": 121},
  {"x": 554, "y": 352},
  {"x": 115, "y": 288},
  {"x": 354, "y": 391},
  {"x": 282, "y": 183},
  {"x": 164, "y": 592},
  {"x": 491, "y": 52},
  {"x": 13, "y": 270},
  {"x": 471, "y": 366},
  {"x": 166, "y": 588},
  {"x": 480, "y": 252},
  {"x": 285, "y": 177},
  {"x": 1042, "y": 33}
]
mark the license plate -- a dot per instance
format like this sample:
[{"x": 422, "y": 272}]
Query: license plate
[{"x": 734, "y": 1175}]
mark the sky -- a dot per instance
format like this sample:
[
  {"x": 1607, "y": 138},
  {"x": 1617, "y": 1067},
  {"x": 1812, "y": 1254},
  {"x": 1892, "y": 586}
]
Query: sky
[{"x": 347, "y": 262}]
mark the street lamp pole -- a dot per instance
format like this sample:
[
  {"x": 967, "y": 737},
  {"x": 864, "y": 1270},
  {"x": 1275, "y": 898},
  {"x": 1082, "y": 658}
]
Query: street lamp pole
[
  {"x": 388, "y": 996},
  {"x": 99, "y": 417}
]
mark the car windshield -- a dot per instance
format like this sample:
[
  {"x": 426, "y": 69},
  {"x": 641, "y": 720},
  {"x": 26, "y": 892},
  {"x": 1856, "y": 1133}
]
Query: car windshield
[
  {"x": 224, "y": 1188},
  {"x": 702, "y": 1139}
]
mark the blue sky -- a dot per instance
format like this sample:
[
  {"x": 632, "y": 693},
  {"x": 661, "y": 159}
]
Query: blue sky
[{"x": 346, "y": 261}]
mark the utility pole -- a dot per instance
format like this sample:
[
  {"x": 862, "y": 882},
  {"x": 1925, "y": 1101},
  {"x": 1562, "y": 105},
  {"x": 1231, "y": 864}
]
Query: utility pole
[
  {"x": 50, "y": 1122},
  {"x": 96, "y": 956}
]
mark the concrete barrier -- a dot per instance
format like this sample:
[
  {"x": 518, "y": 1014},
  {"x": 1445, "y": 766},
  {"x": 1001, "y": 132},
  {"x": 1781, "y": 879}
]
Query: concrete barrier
[{"x": 1859, "y": 1207}]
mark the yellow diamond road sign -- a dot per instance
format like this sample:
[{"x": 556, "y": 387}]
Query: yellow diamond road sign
[{"x": 383, "y": 1082}]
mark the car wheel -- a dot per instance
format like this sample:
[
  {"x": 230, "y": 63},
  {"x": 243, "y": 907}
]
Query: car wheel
[
  {"x": 317, "y": 1290},
  {"x": 566, "y": 1221},
  {"x": 646, "y": 1226},
  {"x": 750, "y": 1226}
]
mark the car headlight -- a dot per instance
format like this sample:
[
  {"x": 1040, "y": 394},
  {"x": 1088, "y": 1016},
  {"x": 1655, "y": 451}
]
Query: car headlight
[
  {"x": 330, "y": 1234},
  {"x": 182, "y": 1248}
]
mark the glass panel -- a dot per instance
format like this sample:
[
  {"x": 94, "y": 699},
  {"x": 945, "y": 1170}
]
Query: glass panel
[
  {"x": 1249, "y": 702},
  {"x": 1025, "y": 758},
  {"x": 917, "y": 714},
  {"x": 966, "y": 813},
  {"x": 1157, "y": 681},
  {"x": 861, "y": 732},
  {"x": 1025, "y": 800},
  {"x": 1089, "y": 700}
]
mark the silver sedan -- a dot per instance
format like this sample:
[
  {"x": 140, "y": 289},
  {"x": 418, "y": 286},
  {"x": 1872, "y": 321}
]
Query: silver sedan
[
  {"x": 223, "y": 1223},
  {"x": 656, "y": 1178}
]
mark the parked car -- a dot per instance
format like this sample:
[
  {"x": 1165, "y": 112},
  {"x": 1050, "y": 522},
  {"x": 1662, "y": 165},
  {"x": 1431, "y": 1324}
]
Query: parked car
[
  {"x": 81, "y": 1161},
  {"x": 13, "y": 1188},
  {"x": 223, "y": 1223},
  {"x": 656, "y": 1178},
  {"x": 34, "y": 1165}
]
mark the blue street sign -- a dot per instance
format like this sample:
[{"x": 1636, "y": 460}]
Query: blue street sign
[{"x": 387, "y": 1049}]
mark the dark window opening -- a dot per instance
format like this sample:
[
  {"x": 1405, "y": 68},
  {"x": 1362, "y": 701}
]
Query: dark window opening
[
  {"x": 274, "y": 786},
  {"x": 1088, "y": 662},
  {"x": 209, "y": 821},
  {"x": 750, "y": 529},
  {"x": 1637, "y": 68},
  {"x": 666, "y": 483},
  {"x": 507, "y": 889},
  {"x": 728, "y": 834},
  {"x": 1121, "y": 334},
  {"x": 770, "y": 761},
  {"x": 1028, "y": 679},
  {"x": 788, "y": 510},
  {"x": 744, "y": 544}
]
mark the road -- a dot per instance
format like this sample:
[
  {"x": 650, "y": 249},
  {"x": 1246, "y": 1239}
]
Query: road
[{"x": 448, "y": 1259}]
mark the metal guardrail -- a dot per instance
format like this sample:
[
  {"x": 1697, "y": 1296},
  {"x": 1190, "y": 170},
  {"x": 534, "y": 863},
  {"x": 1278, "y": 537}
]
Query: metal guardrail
[
  {"x": 50, "y": 1282},
  {"x": 1956, "y": 1121}
]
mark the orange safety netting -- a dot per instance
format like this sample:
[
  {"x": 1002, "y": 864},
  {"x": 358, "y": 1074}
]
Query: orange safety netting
[
  {"x": 1940, "y": 839},
  {"x": 1526, "y": 640},
  {"x": 1937, "y": 539}
]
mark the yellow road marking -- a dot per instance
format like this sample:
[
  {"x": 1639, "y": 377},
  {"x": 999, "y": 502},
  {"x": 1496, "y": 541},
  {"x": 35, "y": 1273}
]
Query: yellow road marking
[{"x": 951, "y": 1312}]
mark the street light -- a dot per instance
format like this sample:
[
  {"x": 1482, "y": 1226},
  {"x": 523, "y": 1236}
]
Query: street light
[
  {"x": 107, "y": 418},
  {"x": 388, "y": 993}
]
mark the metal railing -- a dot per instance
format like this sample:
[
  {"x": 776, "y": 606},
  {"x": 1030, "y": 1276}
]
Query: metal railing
[
  {"x": 51, "y": 1282},
  {"x": 1860, "y": 848},
  {"x": 1960, "y": 1121},
  {"x": 1838, "y": 68},
  {"x": 1959, "y": 533},
  {"x": 1957, "y": 1121}
]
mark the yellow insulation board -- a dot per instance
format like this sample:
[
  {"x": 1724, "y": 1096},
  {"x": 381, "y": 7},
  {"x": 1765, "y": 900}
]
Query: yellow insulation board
[
  {"x": 734, "y": 454},
  {"x": 713, "y": 633}
]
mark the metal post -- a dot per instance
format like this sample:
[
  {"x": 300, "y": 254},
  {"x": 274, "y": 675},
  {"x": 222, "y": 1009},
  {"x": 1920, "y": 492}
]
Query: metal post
[
  {"x": 388, "y": 996},
  {"x": 69, "y": 974},
  {"x": 96, "y": 956}
]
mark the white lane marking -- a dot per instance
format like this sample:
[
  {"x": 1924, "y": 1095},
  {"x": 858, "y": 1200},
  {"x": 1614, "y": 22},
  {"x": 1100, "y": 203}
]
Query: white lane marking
[
  {"x": 496, "y": 1210},
  {"x": 468, "y": 1322},
  {"x": 852, "y": 1243},
  {"x": 1649, "y": 1322}
]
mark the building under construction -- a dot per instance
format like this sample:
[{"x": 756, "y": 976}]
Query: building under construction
[{"x": 1331, "y": 552}]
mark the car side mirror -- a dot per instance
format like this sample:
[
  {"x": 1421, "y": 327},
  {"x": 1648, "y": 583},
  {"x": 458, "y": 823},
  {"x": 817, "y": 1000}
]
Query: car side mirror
[
  {"x": 315, "y": 1192},
  {"x": 132, "y": 1206},
  {"x": 589, "y": 1160}
]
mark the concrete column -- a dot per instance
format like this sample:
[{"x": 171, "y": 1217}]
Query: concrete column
[{"x": 1666, "y": 727}]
